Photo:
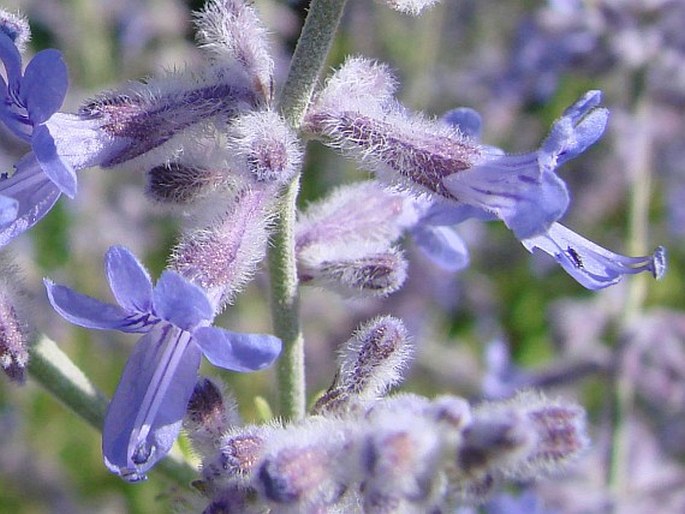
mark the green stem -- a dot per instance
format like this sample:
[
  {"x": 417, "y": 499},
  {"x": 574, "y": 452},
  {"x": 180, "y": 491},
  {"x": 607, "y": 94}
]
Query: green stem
[
  {"x": 306, "y": 66},
  {"x": 310, "y": 57},
  {"x": 52, "y": 368}
]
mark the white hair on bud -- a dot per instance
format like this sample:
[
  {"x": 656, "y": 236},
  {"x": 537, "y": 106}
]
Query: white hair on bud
[
  {"x": 358, "y": 84},
  {"x": 361, "y": 211},
  {"x": 370, "y": 363},
  {"x": 363, "y": 269},
  {"x": 16, "y": 27},
  {"x": 265, "y": 147},
  {"x": 222, "y": 257},
  {"x": 309, "y": 466},
  {"x": 230, "y": 31},
  {"x": 14, "y": 328},
  {"x": 413, "y": 7}
]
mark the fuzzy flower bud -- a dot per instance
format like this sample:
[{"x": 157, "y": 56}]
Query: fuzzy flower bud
[
  {"x": 525, "y": 437},
  {"x": 306, "y": 469},
  {"x": 561, "y": 435},
  {"x": 402, "y": 455},
  {"x": 14, "y": 355},
  {"x": 371, "y": 362},
  {"x": 413, "y": 7},
  {"x": 179, "y": 183},
  {"x": 208, "y": 416},
  {"x": 345, "y": 241},
  {"x": 358, "y": 212},
  {"x": 238, "y": 454},
  {"x": 16, "y": 27},
  {"x": 353, "y": 271},
  {"x": 230, "y": 31},
  {"x": 265, "y": 146},
  {"x": 223, "y": 257}
]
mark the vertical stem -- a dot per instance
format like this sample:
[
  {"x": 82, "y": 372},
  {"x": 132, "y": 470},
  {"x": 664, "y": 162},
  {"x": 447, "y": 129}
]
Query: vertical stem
[{"x": 307, "y": 63}]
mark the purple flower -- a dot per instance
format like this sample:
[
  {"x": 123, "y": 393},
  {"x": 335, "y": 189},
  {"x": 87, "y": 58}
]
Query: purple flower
[
  {"x": 174, "y": 315},
  {"x": 581, "y": 125},
  {"x": 29, "y": 100},
  {"x": 523, "y": 190}
]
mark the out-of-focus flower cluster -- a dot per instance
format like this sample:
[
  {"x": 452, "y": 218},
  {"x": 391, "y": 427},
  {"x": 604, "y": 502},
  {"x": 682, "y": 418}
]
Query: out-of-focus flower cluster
[{"x": 362, "y": 451}]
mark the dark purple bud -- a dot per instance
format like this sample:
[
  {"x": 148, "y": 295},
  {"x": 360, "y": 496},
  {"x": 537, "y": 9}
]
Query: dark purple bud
[
  {"x": 14, "y": 355},
  {"x": 181, "y": 184}
]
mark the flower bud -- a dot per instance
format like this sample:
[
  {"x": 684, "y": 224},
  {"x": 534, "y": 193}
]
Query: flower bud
[
  {"x": 306, "y": 468},
  {"x": 361, "y": 212},
  {"x": 402, "y": 454},
  {"x": 232, "y": 33},
  {"x": 239, "y": 452},
  {"x": 208, "y": 416},
  {"x": 179, "y": 183},
  {"x": 365, "y": 270},
  {"x": 561, "y": 435},
  {"x": 265, "y": 147},
  {"x": 371, "y": 362},
  {"x": 222, "y": 257},
  {"x": 16, "y": 27},
  {"x": 14, "y": 355}
]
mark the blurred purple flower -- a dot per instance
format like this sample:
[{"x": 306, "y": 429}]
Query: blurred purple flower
[{"x": 146, "y": 411}]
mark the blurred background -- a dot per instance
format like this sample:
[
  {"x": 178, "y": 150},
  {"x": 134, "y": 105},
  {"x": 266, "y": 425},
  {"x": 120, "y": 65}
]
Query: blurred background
[{"x": 508, "y": 321}]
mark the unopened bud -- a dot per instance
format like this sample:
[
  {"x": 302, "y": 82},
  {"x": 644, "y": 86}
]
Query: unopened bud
[
  {"x": 223, "y": 257},
  {"x": 208, "y": 416},
  {"x": 402, "y": 457},
  {"x": 494, "y": 442},
  {"x": 238, "y": 454},
  {"x": 308, "y": 466},
  {"x": 232, "y": 33},
  {"x": 16, "y": 27},
  {"x": 14, "y": 355},
  {"x": 266, "y": 147},
  {"x": 356, "y": 271},
  {"x": 371, "y": 363},
  {"x": 358, "y": 213},
  {"x": 181, "y": 184},
  {"x": 561, "y": 437}
]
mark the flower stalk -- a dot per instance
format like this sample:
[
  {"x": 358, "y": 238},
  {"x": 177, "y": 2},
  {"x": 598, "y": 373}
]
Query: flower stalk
[{"x": 306, "y": 66}]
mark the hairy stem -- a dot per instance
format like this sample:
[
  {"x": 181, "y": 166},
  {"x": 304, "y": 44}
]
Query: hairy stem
[
  {"x": 52, "y": 368},
  {"x": 306, "y": 66}
]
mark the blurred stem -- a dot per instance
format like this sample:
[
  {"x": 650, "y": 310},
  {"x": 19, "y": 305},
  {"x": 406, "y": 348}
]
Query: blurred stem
[
  {"x": 308, "y": 61},
  {"x": 637, "y": 165},
  {"x": 52, "y": 368}
]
